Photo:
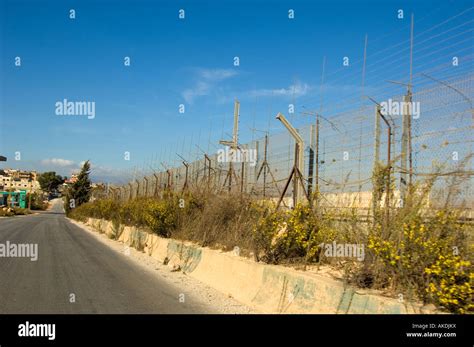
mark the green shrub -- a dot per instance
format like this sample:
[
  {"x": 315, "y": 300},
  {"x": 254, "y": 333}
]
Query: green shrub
[
  {"x": 429, "y": 260},
  {"x": 409, "y": 249},
  {"x": 36, "y": 202},
  {"x": 160, "y": 216},
  {"x": 265, "y": 230}
]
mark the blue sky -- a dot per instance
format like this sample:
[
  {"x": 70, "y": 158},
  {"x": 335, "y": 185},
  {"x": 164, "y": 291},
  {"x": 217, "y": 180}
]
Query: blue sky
[{"x": 186, "y": 62}]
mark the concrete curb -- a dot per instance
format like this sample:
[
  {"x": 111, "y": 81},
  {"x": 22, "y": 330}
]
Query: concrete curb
[{"x": 268, "y": 288}]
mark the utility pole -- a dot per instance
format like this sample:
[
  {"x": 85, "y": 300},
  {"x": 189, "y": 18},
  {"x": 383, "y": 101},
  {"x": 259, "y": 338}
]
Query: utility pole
[
  {"x": 242, "y": 178},
  {"x": 233, "y": 144},
  {"x": 389, "y": 168},
  {"x": 265, "y": 165},
  {"x": 186, "y": 167},
  {"x": 378, "y": 113},
  {"x": 406, "y": 157},
  {"x": 405, "y": 146},
  {"x": 317, "y": 160},
  {"x": 314, "y": 162},
  {"x": 156, "y": 184},
  {"x": 295, "y": 174},
  {"x": 168, "y": 173},
  {"x": 410, "y": 93},
  {"x": 362, "y": 117},
  {"x": 375, "y": 199},
  {"x": 316, "y": 145},
  {"x": 207, "y": 160},
  {"x": 146, "y": 185}
]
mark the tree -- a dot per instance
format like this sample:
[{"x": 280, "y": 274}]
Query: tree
[
  {"x": 49, "y": 181},
  {"x": 80, "y": 191},
  {"x": 35, "y": 201}
]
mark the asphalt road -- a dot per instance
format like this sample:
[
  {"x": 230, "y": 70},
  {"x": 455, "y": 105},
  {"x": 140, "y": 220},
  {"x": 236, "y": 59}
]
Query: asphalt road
[{"x": 71, "y": 261}]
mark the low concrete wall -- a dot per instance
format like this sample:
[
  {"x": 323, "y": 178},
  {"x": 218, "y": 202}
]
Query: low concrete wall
[{"x": 268, "y": 288}]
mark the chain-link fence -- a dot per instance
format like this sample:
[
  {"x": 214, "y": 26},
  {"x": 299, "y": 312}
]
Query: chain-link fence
[{"x": 340, "y": 152}]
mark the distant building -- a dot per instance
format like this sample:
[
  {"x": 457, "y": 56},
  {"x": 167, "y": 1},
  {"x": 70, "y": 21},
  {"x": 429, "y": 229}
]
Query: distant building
[
  {"x": 72, "y": 179},
  {"x": 13, "y": 180}
]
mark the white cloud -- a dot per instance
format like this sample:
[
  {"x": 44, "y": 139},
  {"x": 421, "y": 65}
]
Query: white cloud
[
  {"x": 298, "y": 89},
  {"x": 200, "y": 89},
  {"x": 207, "y": 79},
  {"x": 216, "y": 74},
  {"x": 58, "y": 162}
]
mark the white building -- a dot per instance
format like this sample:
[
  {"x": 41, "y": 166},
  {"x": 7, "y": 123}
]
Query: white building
[{"x": 18, "y": 180}]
